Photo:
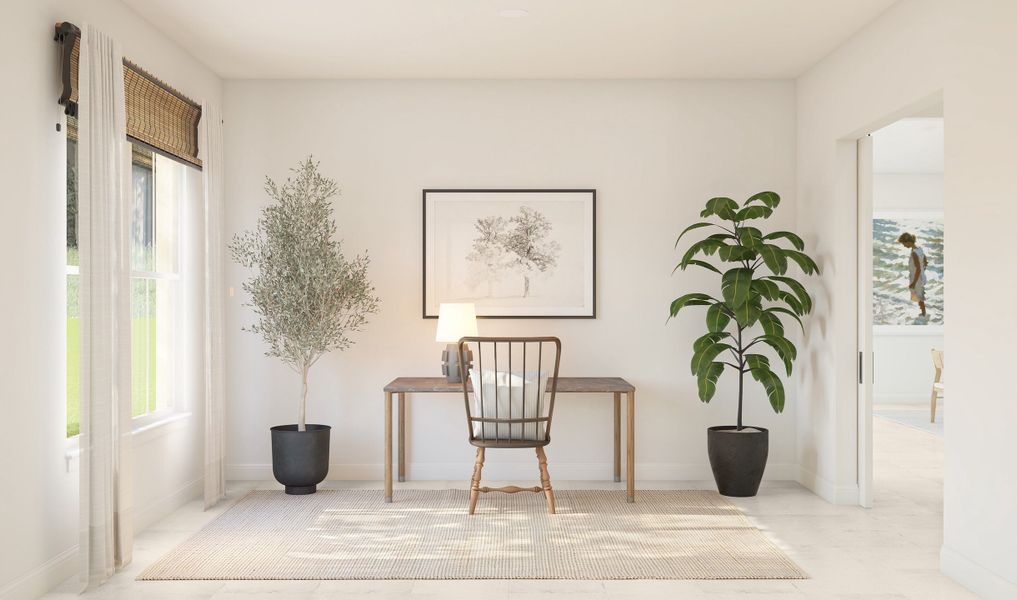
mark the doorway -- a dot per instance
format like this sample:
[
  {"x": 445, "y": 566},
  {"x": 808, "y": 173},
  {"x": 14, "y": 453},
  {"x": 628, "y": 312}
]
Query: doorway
[{"x": 901, "y": 230}]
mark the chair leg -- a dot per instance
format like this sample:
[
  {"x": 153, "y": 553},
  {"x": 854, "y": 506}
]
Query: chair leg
[
  {"x": 545, "y": 479},
  {"x": 932, "y": 405},
  {"x": 475, "y": 481}
]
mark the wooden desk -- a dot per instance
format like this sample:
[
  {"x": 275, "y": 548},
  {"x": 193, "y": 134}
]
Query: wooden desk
[{"x": 566, "y": 385}]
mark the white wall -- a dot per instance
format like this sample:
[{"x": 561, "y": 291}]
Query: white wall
[
  {"x": 655, "y": 151},
  {"x": 907, "y": 191},
  {"x": 902, "y": 364},
  {"x": 965, "y": 51},
  {"x": 38, "y": 501},
  {"x": 902, "y": 369}
]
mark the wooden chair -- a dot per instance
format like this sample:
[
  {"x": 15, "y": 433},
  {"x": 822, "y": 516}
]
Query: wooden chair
[
  {"x": 513, "y": 380},
  {"x": 937, "y": 386}
]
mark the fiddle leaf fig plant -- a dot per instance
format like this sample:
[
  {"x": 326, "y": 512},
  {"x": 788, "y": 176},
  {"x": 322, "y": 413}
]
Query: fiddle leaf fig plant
[
  {"x": 308, "y": 297},
  {"x": 757, "y": 295}
]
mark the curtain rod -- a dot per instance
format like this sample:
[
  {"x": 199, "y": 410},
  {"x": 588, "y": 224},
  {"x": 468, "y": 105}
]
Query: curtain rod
[{"x": 67, "y": 34}]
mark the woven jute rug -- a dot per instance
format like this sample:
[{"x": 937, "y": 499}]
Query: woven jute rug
[{"x": 352, "y": 534}]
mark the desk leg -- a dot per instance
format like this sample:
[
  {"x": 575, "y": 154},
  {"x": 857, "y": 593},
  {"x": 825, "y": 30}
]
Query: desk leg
[
  {"x": 402, "y": 436},
  {"x": 617, "y": 436},
  {"x": 630, "y": 465},
  {"x": 388, "y": 446}
]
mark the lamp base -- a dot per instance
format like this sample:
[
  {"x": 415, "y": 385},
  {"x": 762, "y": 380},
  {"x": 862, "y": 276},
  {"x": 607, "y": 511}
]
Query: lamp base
[{"x": 450, "y": 362}]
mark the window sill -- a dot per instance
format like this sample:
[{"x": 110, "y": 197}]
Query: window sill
[
  {"x": 153, "y": 426},
  {"x": 145, "y": 429}
]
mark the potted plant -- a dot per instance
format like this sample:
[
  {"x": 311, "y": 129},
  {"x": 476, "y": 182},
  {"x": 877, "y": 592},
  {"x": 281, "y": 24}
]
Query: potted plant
[
  {"x": 308, "y": 298},
  {"x": 756, "y": 294}
]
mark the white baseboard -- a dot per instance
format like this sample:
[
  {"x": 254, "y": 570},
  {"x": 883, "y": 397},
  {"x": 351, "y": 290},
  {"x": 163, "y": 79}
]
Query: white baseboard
[
  {"x": 43, "y": 578},
  {"x": 510, "y": 471},
  {"x": 58, "y": 569},
  {"x": 144, "y": 516},
  {"x": 975, "y": 577},
  {"x": 826, "y": 489}
]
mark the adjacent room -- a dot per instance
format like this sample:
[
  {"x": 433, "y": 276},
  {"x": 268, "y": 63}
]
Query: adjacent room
[
  {"x": 297, "y": 294},
  {"x": 902, "y": 388}
]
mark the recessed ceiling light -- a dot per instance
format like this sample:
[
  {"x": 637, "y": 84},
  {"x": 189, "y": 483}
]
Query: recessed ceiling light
[{"x": 513, "y": 13}]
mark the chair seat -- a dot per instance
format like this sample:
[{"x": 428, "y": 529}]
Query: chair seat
[
  {"x": 938, "y": 387},
  {"x": 510, "y": 443}
]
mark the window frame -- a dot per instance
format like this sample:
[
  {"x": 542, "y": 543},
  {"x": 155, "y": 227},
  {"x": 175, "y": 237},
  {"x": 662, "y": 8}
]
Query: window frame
[
  {"x": 174, "y": 410},
  {"x": 172, "y": 406}
]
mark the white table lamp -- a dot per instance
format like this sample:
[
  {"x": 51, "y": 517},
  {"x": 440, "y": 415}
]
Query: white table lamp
[{"x": 455, "y": 321}]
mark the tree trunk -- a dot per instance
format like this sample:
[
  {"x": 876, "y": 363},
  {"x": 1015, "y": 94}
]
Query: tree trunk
[
  {"x": 526, "y": 286},
  {"x": 302, "y": 421},
  {"x": 741, "y": 377}
]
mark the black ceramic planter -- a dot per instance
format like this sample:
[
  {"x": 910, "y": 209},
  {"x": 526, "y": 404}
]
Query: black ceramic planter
[
  {"x": 738, "y": 458},
  {"x": 300, "y": 458}
]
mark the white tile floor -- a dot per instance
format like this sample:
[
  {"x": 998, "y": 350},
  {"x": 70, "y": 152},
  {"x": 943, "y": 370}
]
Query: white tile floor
[{"x": 888, "y": 552}]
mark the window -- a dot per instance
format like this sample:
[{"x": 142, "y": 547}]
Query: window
[
  {"x": 73, "y": 313},
  {"x": 155, "y": 222},
  {"x": 158, "y": 185}
]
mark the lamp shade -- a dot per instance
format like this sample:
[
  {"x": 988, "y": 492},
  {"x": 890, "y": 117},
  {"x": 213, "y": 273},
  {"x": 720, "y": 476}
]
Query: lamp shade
[{"x": 455, "y": 321}]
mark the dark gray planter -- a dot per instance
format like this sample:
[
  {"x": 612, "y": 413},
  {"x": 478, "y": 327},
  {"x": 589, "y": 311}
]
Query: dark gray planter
[
  {"x": 738, "y": 459},
  {"x": 300, "y": 458}
]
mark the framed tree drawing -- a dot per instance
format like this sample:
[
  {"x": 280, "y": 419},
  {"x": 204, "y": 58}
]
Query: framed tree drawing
[{"x": 512, "y": 253}]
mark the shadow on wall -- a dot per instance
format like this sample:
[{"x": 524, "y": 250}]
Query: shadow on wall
[{"x": 814, "y": 383}]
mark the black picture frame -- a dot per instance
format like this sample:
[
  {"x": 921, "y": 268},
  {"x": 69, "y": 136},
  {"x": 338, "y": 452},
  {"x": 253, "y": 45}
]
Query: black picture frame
[{"x": 593, "y": 242}]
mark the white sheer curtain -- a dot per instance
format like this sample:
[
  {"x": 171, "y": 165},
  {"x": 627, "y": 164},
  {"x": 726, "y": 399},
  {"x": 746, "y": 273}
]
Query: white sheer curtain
[
  {"x": 215, "y": 390},
  {"x": 104, "y": 244}
]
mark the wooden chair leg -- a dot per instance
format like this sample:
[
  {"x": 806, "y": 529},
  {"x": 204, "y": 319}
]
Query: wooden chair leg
[
  {"x": 545, "y": 479},
  {"x": 932, "y": 406},
  {"x": 475, "y": 481}
]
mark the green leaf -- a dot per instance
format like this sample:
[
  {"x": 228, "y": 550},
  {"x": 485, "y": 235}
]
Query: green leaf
[
  {"x": 707, "y": 339},
  {"x": 781, "y": 309},
  {"x": 792, "y": 301},
  {"x": 756, "y": 361},
  {"x": 759, "y": 367},
  {"x": 722, "y": 207},
  {"x": 766, "y": 288},
  {"x": 702, "y": 359},
  {"x": 707, "y": 246},
  {"x": 794, "y": 239},
  {"x": 750, "y": 237},
  {"x": 735, "y": 285},
  {"x": 735, "y": 253},
  {"x": 690, "y": 228},
  {"x": 694, "y": 299},
  {"x": 771, "y": 323},
  {"x": 708, "y": 381},
  {"x": 774, "y": 388},
  {"x": 698, "y": 263},
  {"x": 753, "y": 212},
  {"x": 798, "y": 290},
  {"x": 717, "y": 318},
  {"x": 769, "y": 199},
  {"x": 773, "y": 257},
  {"x": 807, "y": 264},
  {"x": 783, "y": 347},
  {"x": 747, "y": 314}
]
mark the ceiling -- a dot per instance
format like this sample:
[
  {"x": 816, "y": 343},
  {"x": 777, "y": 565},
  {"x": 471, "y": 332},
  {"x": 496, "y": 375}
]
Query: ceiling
[
  {"x": 556, "y": 39},
  {"x": 909, "y": 146}
]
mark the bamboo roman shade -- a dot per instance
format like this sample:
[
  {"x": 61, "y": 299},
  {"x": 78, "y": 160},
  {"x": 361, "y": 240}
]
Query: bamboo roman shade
[{"x": 157, "y": 115}]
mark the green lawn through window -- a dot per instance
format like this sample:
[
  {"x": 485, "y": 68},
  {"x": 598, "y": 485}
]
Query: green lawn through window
[{"x": 142, "y": 370}]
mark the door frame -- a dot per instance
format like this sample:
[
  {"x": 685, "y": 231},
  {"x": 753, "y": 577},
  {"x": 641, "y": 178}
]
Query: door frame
[{"x": 865, "y": 361}]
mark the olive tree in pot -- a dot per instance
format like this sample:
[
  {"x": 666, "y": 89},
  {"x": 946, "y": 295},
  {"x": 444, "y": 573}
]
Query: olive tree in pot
[
  {"x": 308, "y": 297},
  {"x": 756, "y": 294}
]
